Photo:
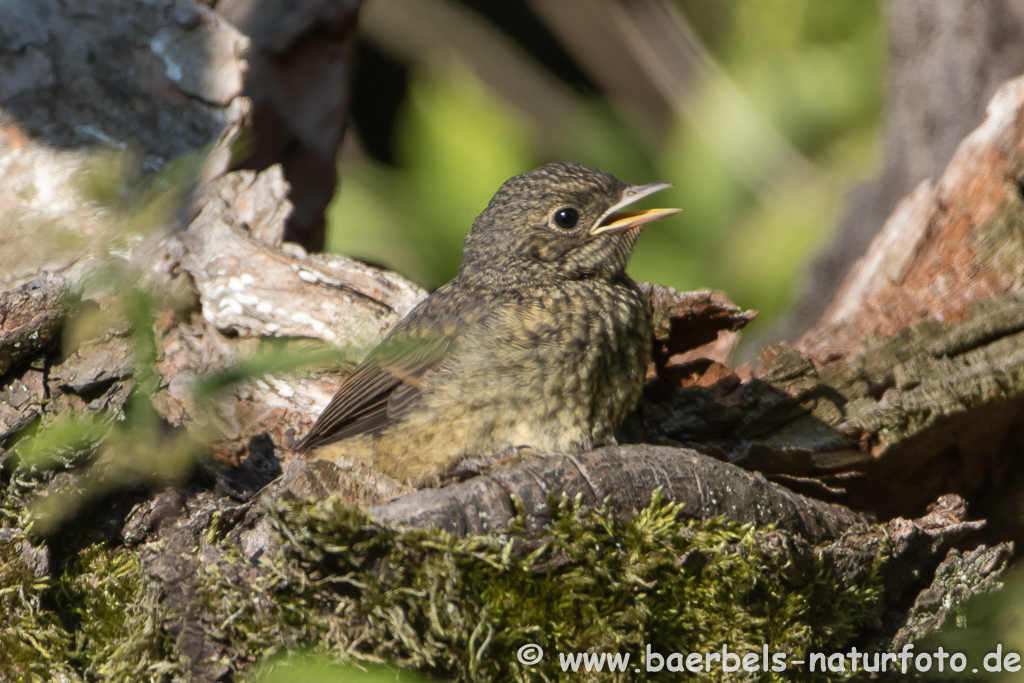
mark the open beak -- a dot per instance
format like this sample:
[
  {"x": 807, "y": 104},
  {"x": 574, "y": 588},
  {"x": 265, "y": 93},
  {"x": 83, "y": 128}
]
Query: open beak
[{"x": 615, "y": 220}]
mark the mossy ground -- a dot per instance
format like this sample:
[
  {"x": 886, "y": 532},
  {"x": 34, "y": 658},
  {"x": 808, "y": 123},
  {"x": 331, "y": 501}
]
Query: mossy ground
[
  {"x": 456, "y": 609},
  {"x": 97, "y": 618}
]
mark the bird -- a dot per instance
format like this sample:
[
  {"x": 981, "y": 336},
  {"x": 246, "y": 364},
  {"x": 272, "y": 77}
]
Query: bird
[{"x": 539, "y": 345}]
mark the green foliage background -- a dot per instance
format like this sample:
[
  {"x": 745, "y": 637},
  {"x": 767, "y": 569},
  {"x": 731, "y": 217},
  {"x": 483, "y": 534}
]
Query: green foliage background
[{"x": 810, "y": 69}]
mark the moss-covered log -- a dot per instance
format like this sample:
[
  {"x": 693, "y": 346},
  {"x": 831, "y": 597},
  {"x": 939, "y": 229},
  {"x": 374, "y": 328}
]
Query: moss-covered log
[{"x": 199, "y": 599}]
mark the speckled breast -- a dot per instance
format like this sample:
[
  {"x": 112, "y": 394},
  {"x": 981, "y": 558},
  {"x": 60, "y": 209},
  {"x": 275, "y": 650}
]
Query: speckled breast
[{"x": 566, "y": 364}]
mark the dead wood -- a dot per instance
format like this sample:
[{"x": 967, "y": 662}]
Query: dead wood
[
  {"x": 30, "y": 318},
  {"x": 624, "y": 477},
  {"x": 858, "y": 419},
  {"x": 250, "y": 287},
  {"x": 883, "y": 412},
  {"x": 916, "y": 545},
  {"x": 910, "y": 387},
  {"x": 944, "y": 64}
]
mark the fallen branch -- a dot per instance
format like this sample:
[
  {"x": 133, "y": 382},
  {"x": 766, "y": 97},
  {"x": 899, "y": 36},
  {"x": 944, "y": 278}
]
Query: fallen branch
[{"x": 624, "y": 478}]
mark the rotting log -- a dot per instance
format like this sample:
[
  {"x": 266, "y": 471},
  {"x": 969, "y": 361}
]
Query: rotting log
[{"x": 911, "y": 385}]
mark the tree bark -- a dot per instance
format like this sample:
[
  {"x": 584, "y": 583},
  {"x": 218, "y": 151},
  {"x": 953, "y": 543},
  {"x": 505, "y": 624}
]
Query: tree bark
[{"x": 944, "y": 64}]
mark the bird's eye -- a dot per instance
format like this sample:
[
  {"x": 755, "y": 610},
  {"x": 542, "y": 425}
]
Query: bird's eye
[{"x": 567, "y": 217}]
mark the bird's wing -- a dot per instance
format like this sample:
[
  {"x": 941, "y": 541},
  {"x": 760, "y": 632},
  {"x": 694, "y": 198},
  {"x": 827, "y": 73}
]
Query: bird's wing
[{"x": 387, "y": 382}]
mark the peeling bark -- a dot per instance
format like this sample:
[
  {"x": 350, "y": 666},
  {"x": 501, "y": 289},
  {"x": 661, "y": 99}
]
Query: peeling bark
[
  {"x": 30, "y": 318},
  {"x": 251, "y": 288},
  {"x": 944, "y": 64}
]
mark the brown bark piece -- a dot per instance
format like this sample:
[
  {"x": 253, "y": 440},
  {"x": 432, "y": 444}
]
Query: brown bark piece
[
  {"x": 625, "y": 477},
  {"x": 251, "y": 287},
  {"x": 700, "y": 323},
  {"x": 945, "y": 247},
  {"x": 20, "y": 403},
  {"x": 30, "y": 317}
]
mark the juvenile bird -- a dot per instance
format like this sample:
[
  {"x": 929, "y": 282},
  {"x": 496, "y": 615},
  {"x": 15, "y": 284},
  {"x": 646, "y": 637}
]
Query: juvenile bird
[{"x": 542, "y": 341}]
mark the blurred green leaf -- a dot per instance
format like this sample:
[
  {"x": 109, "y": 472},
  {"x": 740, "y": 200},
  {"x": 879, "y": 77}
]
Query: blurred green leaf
[
  {"x": 312, "y": 669},
  {"x": 767, "y": 246},
  {"x": 458, "y": 143},
  {"x": 274, "y": 356},
  {"x": 366, "y": 225}
]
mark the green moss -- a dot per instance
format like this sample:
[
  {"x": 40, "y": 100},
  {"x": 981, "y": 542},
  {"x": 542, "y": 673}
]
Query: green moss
[
  {"x": 119, "y": 631},
  {"x": 458, "y": 608},
  {"x": 34, "y": 644},
  {"x": 101, "y": 621},
  {"x": 260, "y": 612},
  {"x": 98, "y": 619},
  {"x": 462, "y": 608}
]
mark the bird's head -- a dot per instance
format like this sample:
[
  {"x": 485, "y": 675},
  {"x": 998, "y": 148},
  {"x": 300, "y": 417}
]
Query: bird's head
[{"x": 560, "y": 221}]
